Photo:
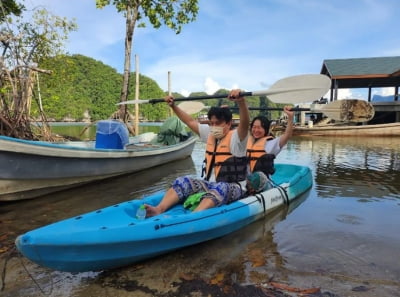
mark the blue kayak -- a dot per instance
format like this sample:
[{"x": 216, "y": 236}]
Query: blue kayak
[{"x": 113, "y": 237}]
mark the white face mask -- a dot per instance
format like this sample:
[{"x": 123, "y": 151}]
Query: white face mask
[{"x": 217, "y": 131}]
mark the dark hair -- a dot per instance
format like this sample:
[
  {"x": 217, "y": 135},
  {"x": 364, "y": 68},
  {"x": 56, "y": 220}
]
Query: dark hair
[
  {"x": 221, "y": 113},
  {"x": 265, "y": 123}
]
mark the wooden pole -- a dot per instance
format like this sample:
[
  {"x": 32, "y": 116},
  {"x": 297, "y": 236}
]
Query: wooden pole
[
  {"x": 137, "y": 95},
  {"x": 169, "y": 91}
]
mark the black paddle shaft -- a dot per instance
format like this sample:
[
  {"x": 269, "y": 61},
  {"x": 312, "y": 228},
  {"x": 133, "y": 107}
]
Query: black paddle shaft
[
  {"x": 201, "y": 97},
  {"x": 275, "y": 108}
]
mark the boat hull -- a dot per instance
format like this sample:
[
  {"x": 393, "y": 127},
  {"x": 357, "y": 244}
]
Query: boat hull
[
  {"x": 112, "y": 237},
  {"x": 378, "y": 130},
  {"x": 32, "y": 168}
]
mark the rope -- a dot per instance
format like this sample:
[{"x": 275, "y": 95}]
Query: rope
[
  {"x": 4, "y": 270},
  {"x": 34, "y": 280},
  {"x": 14, "y": 253},
  {"x": 260, "y": 197}
]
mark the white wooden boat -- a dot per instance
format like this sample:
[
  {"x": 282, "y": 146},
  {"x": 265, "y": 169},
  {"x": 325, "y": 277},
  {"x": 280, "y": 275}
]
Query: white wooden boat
[
  {"x": 29, "y": 169},
  {"x": 377, "y": 130}
]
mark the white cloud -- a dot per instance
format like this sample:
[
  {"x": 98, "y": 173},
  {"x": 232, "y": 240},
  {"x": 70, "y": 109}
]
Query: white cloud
[
  {"x": 362, "y": 94},
  {"x": 390, "y": 91},
  {"x": 211, "y": 86},
  {"x": 387, "y": 91},
  {"x": 184, "y": 92},
  {"x": 345, "y": 94},
  {"x": 349, "y": 94},
  {"x": 235, "y": 86},
  {"x": 204, "y": 73}
]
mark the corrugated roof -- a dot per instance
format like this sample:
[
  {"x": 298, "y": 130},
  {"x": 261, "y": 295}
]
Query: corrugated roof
[
  {"x": 362, "y": 66},
  {"x": 363, "y": 72}
]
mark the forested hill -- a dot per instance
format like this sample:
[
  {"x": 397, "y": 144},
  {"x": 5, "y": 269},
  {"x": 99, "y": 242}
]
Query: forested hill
[{"x": 81, "y": 88}]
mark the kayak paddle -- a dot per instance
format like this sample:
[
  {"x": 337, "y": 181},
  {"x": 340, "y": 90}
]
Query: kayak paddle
[
  {"x": 292, "y": 89},
  {"x": 346, "y": 110},
  {"x": 191, "y": 107}
]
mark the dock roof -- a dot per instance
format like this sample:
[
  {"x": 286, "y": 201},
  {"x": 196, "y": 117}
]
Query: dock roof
[{"x": 363, "y": 72}]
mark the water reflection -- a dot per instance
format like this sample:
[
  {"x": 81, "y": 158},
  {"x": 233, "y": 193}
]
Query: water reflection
[
  {"x": 379, "y": 154},
  {"x": 351, "y": 233},
  {"x": 350, "y": 167},
  {"x": 344, "y": 234}
]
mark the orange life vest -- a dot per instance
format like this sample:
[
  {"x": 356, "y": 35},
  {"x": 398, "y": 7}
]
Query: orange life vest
[
  {"x": 259, "y": 159},
  {"x": 227, "y": 168}
]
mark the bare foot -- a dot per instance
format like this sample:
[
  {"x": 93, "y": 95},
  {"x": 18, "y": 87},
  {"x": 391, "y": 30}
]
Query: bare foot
[{"x": 151, "y": 211}]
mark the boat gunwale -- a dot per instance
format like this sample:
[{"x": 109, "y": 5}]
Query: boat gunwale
[{"x": 40, "y": 148}]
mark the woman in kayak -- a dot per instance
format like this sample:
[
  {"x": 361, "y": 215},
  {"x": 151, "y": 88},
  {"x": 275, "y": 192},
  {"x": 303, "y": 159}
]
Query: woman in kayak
[
  {"x": 225, "y": 164},
  {"x": 262, "y": 148}
]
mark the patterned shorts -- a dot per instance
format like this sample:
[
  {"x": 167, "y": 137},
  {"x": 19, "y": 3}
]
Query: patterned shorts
[{"x": 219, "y": 192}]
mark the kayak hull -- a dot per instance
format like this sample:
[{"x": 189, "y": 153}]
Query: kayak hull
[{"x": 112, "y": 237}]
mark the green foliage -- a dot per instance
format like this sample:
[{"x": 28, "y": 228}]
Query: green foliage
[
  {"x": 263, "y": 102},
  {"x": 30, "y": 42},
  {"x": 10, "y": 7},
  {"x": 175, "y": 95},
  {"x": 23, "y": 46},
  {"x": 173, "y": 13},
  {"x": 149, "y": 89},
  {"x": 80, "y": 85}
]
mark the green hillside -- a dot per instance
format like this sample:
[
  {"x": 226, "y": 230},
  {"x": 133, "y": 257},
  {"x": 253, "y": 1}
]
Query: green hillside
[{"x": 81, "y": 88}]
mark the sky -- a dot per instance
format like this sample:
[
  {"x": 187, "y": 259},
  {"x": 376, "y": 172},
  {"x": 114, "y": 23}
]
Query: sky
[{"x": 246, "y": 44}]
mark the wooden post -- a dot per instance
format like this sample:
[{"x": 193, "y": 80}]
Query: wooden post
[
  {"x": 137, "y": 95},
  {"x": 169, "y": 91}
]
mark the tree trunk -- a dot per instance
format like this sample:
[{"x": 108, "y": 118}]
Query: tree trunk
[
  {"x": 131, "y": 17},
  {"x": 263, "y": 105}
]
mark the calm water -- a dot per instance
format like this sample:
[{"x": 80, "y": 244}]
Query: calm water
[{"x": 341, "y": 236}]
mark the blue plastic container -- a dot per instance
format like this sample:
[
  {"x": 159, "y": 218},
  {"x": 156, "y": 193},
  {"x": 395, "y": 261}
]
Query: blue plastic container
[{"x": 111, "y": 135}]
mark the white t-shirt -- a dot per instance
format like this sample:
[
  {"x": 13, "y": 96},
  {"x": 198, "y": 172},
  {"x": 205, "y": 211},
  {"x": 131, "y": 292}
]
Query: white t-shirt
[
  {"x": 238, "y": 148},
  {"x": 272, "y": 146}
]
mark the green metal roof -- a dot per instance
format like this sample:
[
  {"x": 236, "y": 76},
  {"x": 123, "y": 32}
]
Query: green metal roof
[
  {"x": 363, "y": 72},
  {"x": 362, "y": 66}
]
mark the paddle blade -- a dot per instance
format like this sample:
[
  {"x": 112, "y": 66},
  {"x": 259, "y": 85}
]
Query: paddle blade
[
  {"x": 347, "y": 110},
  {"x": 299, "y": 88},
  {"x": 191, "y": 107}
]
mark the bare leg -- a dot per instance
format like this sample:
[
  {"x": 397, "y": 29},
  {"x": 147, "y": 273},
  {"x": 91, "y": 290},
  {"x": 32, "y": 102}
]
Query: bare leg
[
  {"x": 204, "y": 204},
  {"x": 170, "y": 198}
]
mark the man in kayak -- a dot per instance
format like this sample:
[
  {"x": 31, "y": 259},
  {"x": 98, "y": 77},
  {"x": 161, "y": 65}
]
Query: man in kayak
[
  {"x": 225, "y": 165},
  {"x": 262, "y": 148}
]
